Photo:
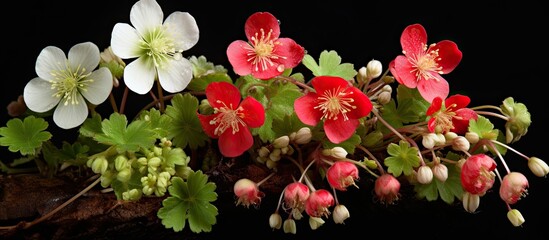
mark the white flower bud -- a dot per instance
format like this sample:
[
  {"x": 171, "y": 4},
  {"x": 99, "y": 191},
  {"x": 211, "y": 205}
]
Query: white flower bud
[
  {"x": 362, "y": 75},
  {"x": 387, "y": 88},
  {"x": 472, "y": 137},
  {"x": 441, "y": 172},
  {"x": 289, "y": 226},
  {"x": 384, "y": 98},
  {"x": 373, "y": 69},
  {"x": 340, "y": 213},
  {"x": 429, "y": 140},
  {"x": 515, "y": 217},
  {"x": 303, "y": 136},
  {"x": 281, "y": 142},
  {"x": 424, "y": 174},
  {"x": 450, "y": 136},
  {"x": 338, "y": 152},
  {"x": 461, "y": 143},
  {"x": 270, "y": 164},
  {"x": 275, "y": 154},
  {"x": 470, "y": 202},
  {"x": 315, "y": 222},
  {"x": 275, "y": 221},
  {"x": 538, "y": 167},
  {"x": 440, "y": 139},
  {"x": 264, "y": 152}
]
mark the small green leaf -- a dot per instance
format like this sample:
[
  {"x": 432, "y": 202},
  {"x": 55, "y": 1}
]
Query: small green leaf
[
  {"x": 403, "y": 158},
  {"x": 158, "y": 122},
  {"x": 329, "y": 65},
  {"x": 185, "y": 128},
  {"x": 91, "y": 126},
  {"x": 138, "y": 134},
  {"x": 483, "y": 128},
  {"x": 519, "y": 119},
  {"x": 25, "y": 136}
]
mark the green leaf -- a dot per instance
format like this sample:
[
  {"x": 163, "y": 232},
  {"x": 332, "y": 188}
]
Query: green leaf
[
  {"x": 329, "y": 65},
  {"x": 25, "y": 136},
  {"x": 519, "y": 119},
  {"x": 447, "y": 190},
  {"x": 138, "y": 134},
  {"x": 91, "y": 126},
  {"x": 200, "y": 83},
  {"x": 158, "y": 122},
  {"x": 403, "y": 158},
  {"x": 185, "y": 128},
  {"x": 390, "y": 115},
  {"x": 286, "y": 126},
  {"x": 483, "y": 128},
  {"x": 190, "y": 201}
]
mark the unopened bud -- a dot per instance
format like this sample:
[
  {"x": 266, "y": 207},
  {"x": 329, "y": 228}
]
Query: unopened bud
[
  {"x": 289, "y": 226},
  {"x": 336, "y": 152},
  {"x": 384, "y": 98},
  {"x": 373, "y": 69},
  {"x": 340, "y": 214},
  {"x": 131, "y": 195},
  {"x": 388, "y": 79},
  {"x": 120, "y": 163},
  {"x": 450, "y": 136},
  {"x": 275, "y": 221},
  {"x": 264, "y": 152},
  {"x": 440, "y": 171},
  {"x": 281, "y": 142},
  {"x": 303, "y": 136},
  {"x": 315, "y": 222},
  {"x": 424, "y": 174},
  {"x": 362, "y": 75},
  {"x": 124, "y": 175},
  {"x": 205, "y": 107},
  {"x": 472, "y": 137},
  {"x": 429, "y": 140},
  {"x": 100, "y": 165},
  {"x": 515, "y": 217},
  {"x": 538, "y": 167},
  {"x": 461, "y": 143},
  {"x": 470, "y": 202}
]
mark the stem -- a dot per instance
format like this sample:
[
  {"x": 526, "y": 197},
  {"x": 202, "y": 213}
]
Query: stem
[
  {"x": 510, "y": 148},
  {"x": 486, "y": 107},
  {"x": 362, "y": 166},
  {"x": 499, "y": 155},
  {"x": 123, "y": 101},
  {"x": 298, "y": 83},
  {"x": 374, "y": 110},
  {"x": 160, "y": 96},
  {"x": 418, "y": 152},
  {"x": 265, "y": 179},
  {"x": 493, "y": 115},
  {"x": 113, "y": 102},
  {"x": 381, "y": 170}
]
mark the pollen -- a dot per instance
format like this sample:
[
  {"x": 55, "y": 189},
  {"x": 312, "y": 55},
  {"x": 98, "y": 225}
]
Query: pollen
[
  {"x": 227, "y": 117},
  {"x": 160, "y": 47},
  {"x": 68, "y": 83},
  {"x": 335, "y": 102},
  {"x": 262, "y": 51},
  {"x": 426, "y": 63}
]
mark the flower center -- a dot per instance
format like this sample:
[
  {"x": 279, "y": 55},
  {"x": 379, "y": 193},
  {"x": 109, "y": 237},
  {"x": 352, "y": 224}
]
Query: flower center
[
  {"x": 443, "y": 119},
  {"x": 160, "y": 47},
  {"x": 68, "y": 83},
  {"x": 227, "y": 118},
  {"x": 426, "y": 64},
  {"x": 333, "y": 102},
  {"x": 261, "y": 52}
]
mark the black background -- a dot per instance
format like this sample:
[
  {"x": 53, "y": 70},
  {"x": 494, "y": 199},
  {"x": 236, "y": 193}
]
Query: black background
[{"x": 504, "y": 54}]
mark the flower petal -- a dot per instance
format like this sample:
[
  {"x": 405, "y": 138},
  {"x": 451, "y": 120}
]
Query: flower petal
[
  {"x": 183, "y": 28},
  {"x": 139, "y": 76},
  {"x": 262, "y": 21},
  {"x": 461, "y": 120},
  {"x": 84, "y": 57},
  {"x": 238, "y": 57},
  {"x": 269, "y": 72},
  {"x": 51, "y": 59},
  {"x": 125, "y": 41},
  {"x": 432, "y": 88},
  {"x": 100, "y": 88},
  {"x": 431, "y": 124},
  {"x": 71, "y": 115},
  {"x": 459, "y": 100},
  {"x": 254, "y": 113},
  {"x": 340, "y": 130},
  {"x": 403, "y": 71},
  {"x": 328, "y": 83},
  {"x": 233, "y": 145},
  {"x": 293, "y": 53},
  {"x": 223, "y": 94},
  {"x": 449, "y": 55},
  {"x": 436, "y": 104},
  {"x": 208, "y": 128},
  {"x": 39, "y": 96},
  {"x": 175, "y": 75},
  {"x": 146, "y": 15},
  {"x": 413, "y": 39},
  {"x": 361, "y": 102},
  {"x": 304, "y": 108}
]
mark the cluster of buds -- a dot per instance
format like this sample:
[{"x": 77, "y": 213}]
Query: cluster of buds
[{"x": 271, "y": 154}]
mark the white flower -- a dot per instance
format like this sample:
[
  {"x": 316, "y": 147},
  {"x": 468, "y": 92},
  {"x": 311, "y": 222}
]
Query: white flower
[
  {"x": 65, "y": 82},
  {"x": 157, "y": 46}
]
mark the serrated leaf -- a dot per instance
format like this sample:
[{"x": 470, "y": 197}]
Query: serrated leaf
[
  {"x": 136, "y": 135},
  {"x": 157, "y": 121},
  {"x": 25, "y": 136},
  {"x": 329, "y": 64},
  {"x": 390, "y": 115},
  {"x": 483, "y": 128},
  {"x": 190, "y": 201},
  {"x": 403, "y": 158},
  {"x": 448, "y": 190},
  {"x": 185, "y": 128},
  {"x": 200, "y": 83},
  {"x": 290, "y": 123},
  {"x": 91, "y": 126}
]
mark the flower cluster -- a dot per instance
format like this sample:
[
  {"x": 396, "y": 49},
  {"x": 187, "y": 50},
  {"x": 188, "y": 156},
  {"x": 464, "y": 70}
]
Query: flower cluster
[{"x": 323, "y": 134}]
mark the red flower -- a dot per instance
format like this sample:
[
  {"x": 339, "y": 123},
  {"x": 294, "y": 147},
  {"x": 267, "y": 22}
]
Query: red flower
[
  {"x": 247, "y": 192},
  {"x": 513, "y": 187},
  {"x": 336, "y": 102},
  {"x": 421, "y": 65},
  {"x": 295, "y": 196},
  {"x": 265, "y": 55},
  {"x": 231, "y": 118},
  {"x": 387, "y": 188},
  {"x": 450, "y": 116},
  {"x": 477, "y": 174},
  {"x": 318, "y": 203},
  {"x": 342, "y": 174}
]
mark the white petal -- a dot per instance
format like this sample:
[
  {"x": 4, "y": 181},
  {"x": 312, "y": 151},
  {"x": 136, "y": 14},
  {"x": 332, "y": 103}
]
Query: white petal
[
  {"x": 98, "y": 91},
  {"x": 146, "y": 15},
  {"x": 84, "y": 56},
  {"x": 125, "y": 41},
  {"x": 139, "y": 76},
  {"x": 183, "y": 28},
  {"x": 38, "y": 95},
  {"x": 71, "y": 115},
  {"x": 176, "y": 75},
  {"x": 50, "y": 59}
]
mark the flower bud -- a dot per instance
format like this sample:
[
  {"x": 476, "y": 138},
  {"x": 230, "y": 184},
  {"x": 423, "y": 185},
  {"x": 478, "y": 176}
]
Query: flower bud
[
  {"x": 373, "y": 138},
  {"x": 289, "y": 226},
  {"x": 100, "y": 165},
  {"x": 384, "y": 98},
  {"x": 373, "y": 69},
  {"x": 336, "y": 152},
  {"x": 275, "y": 221},
  {"x": 424, "y": 174},
  {"x": 460, "y": 143},
  {"x": 538, "y": 167},
  {"x": 362, "y": 75},
  {"x": 440, "y": 171},
  {"x": 270, "y": 163},
  {"x": 247, "y": 192},
  {"x": 470, "y": 202},
  {"x": 120, "y": 162},
  {"x": 477, "y": 174},
  {"x": 303, "y": 136},
  {"x": 315, "y": 222},
  {"x": 281, "y": 142},
  {"x": 429, "y": 140},
  {"x": 340, "y": 214},
  {"x": 472, "y": 137},
  {"x": 264, "y": 152},
  {"x": 513, "y": 187},
  {"x": 205, "y": 107},
  {"x": 106, "y": 178},
  {"x": 154, "y": 162},
  {"x": 515, "y": 217},
  {"x": 450, "y": 136},
  {"x": 131, "y": 195},
  {"x": 124, "y": 175},
  {"x": 342, "y": 174},
  {"x": 387, "y": 188},
  {"x": 388, "y": 79}
]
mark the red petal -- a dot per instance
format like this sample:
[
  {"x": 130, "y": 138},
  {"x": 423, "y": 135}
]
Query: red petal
[
  {"x": 233, "y": 145},
  {"x": 432, "y": 88},
  {"x": 261, "y": 20},
  {"x": 292, "y": 52},
  {"x": 270, "y": 72},
  {"x": 340, "y": 130},
  {"x": 461, "y": 120},
  {"x": 413, "y": 39},
  {"x": 238, "y": 57},
  {"x": 449, "y": 55},
  {"x": 459, "y": 100},
  {"x": 205, "y": 122},
  {"x": 254, "y": 113},
  {"x": 403, "y": 71},
  {"x": 431, "y": 124},
  {"x": 304, "y": 108},
  {"x": 436, "y": 104},
  {"x": 224, "y": 92},
  {"x": 328, "y": 83},
  {"x": 362, "y": 103}
]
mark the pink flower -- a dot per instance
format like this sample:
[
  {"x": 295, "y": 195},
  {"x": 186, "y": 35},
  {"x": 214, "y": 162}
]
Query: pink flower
[
  {"x": 342, "y": 174},
  {"x": 387, "y": 188},
  {"x": 477, "y": 174},
  {"x": 421, "y": 65},
  {"x": 265, "y": 55},
  {"x": 336, "y": 102},
  {"x": 450, "y": 116},
  {"x": 318, "y": 203},
  {"x": 513, "y": 187},
  {"x": 247, "y": 192},
  {"x": 295, "y": 196},
  {"x": 231, "y": 118}
]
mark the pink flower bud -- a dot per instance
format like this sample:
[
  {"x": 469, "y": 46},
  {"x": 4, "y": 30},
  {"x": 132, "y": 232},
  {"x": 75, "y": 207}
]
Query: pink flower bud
[
  {"x": 318, "y": 203},
  {"x": 387, "y": 188},
  {"x": 513, "y": 187},
  {"x": 342, "y": 174},
  {"x": 247, "y": 192},
  {"x": 295, "y": 195},
  {"x": 477, "y": 174}
]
